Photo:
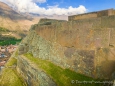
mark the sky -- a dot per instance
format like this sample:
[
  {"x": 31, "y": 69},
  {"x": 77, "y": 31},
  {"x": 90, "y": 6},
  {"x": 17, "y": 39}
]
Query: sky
[{"x": 59, "y": 7}]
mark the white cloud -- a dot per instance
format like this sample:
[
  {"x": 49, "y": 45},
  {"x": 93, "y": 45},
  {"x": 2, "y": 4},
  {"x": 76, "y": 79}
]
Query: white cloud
[{"x": 31, "y": 7}]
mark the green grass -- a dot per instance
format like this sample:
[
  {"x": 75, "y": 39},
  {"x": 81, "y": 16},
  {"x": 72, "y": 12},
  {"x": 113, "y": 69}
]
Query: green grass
[
  {"x": 9, "y": 76},
  {"x": 12, "y": 61},
  {"x": 2, "y": 29},
  {"x": 61, "y": 76}
]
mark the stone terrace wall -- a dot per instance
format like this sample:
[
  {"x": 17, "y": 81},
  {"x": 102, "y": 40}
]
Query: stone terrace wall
[
  {"x": 85, "y": 46},
  {"x": 92, "y": 14},
  {"x": 32, "y": 74}
]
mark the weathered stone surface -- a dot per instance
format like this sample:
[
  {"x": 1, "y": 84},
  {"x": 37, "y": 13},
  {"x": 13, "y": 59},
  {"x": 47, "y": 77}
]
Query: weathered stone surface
[
  {"x": 32, "y": 74},
  {"x": 85, "y": 46},
  {"x": 93, "y": 14},
  {"x": 23, "y": 48}
]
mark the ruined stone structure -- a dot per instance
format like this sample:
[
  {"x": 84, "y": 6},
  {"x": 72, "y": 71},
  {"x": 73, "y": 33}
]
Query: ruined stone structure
[
  {"x": 92, "y": 15},
  {"x": 86, "y": 46},
  {"x": 33, "y": 75}
]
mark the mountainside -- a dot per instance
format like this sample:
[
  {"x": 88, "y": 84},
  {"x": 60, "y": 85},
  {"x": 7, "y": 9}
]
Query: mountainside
[
  {"x": 16, "y": 23},
  {"x": 6, "y": 11}
]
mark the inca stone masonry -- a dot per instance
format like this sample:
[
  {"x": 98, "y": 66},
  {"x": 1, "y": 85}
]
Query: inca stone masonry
[{"x": 84, "y": 44}]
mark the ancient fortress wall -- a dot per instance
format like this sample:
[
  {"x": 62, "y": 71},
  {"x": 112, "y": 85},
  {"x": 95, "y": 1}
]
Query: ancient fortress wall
[
  {"x": 82, "y": 16},
  {"x": 92, "y": 15},
  {"x": 86, "y": 46},
  {"x": 32, "y": 74},
  {"x": 81, "y": 34}
]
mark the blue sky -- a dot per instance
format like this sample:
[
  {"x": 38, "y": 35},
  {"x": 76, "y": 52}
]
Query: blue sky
[
  {"x": 59, "y": 7},
  {"x": 91, "y": 5}
]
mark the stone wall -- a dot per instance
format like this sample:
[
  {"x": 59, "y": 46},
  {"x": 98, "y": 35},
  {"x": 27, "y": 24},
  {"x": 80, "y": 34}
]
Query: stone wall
[
  {"x": 83, "y": 16},
  {"x": 32, "y": 74},
  {"x": 92, "y": 15},
  {"x": 85, "y": 46},
  {"x": 81, "y": 34}
]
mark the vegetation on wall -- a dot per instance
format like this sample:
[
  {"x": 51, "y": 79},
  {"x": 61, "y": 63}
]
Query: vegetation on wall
[{"x": 62, "y": 77}]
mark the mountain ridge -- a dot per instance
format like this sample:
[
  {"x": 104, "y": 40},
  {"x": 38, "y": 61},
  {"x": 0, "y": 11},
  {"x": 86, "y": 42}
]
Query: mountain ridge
[
  {"x": 17, "y": 23},
  {"x": 7, "y": 11}
]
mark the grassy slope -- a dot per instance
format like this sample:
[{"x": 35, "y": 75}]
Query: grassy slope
[
  {"x": 61, "y": 76},
  {"x": 10, "y": 77}
]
